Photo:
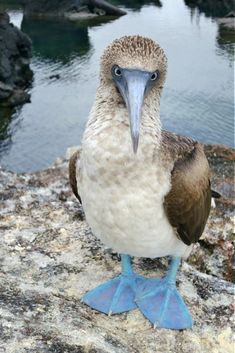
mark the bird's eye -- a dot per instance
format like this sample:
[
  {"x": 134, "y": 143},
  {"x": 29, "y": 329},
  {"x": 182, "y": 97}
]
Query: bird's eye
[
  {"x": 154, "y": 76},
  {"x": 117, "y": 71}
]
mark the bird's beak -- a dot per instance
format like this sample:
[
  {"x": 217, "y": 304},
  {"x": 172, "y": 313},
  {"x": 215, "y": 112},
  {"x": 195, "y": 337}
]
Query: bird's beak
[{"x": 132, "y": 87}]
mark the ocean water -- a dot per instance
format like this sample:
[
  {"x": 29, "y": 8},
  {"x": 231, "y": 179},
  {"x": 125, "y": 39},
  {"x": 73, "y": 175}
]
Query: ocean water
[{"x": 198, "y": 98}]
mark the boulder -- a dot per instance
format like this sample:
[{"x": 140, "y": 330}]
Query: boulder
[
  {"x": 15, "y": 72},
  {"x": 74, "y": 9},
  {"x": 49, "y": 259},
  {"x": 228, "y": 20}
]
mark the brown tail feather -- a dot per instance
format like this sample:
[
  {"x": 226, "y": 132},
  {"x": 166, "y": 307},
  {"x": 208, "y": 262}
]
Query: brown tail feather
[{"x": 72, "y": 174}]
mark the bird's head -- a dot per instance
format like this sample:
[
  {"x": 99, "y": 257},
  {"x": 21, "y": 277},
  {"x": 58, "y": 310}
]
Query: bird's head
[{"x": 137, "y": 67}]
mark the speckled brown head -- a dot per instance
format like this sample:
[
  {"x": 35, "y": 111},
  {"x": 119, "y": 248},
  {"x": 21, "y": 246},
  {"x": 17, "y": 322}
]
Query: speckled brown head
[
  {"x": 134, "y": 52},
  {"x": 137, "y": 67}
]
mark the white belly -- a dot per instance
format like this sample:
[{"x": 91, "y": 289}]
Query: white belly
[{"x": 123, "y": 202}]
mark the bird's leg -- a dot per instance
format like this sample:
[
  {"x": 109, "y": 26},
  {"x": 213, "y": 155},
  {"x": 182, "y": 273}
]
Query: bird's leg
[
  {"x": 126, "y": 265},
  {"x": 161, "y": 303},
  {"x": 172, "y": 272},
  {"x": 118, "y": 294}
]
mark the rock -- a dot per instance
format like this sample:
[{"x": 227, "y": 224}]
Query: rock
[
  {"x": 49, "y": 259},
  {"x": 213, "y": 8},
  {"x": 228, "y": 22},
  {"x": 71, "y": 9},
  {"x": 11, "y": 96},
  {"x": 55, "y": 76},
  {"x": 15, "y": 54},
  {"x": 18, "y": 97}
]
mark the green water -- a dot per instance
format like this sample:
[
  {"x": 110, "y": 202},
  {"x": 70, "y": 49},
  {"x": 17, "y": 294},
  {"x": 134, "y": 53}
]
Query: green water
[{"x": 197, "y": 99}]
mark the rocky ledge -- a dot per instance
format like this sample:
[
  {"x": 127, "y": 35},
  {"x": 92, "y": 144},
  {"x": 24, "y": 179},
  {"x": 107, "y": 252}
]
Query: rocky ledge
[
  {"x": 228, "y": 20},
  {"x": 71, "y": 9},
  {"x": 15, "y": 54},
  {"x": 49, "y": 259}
]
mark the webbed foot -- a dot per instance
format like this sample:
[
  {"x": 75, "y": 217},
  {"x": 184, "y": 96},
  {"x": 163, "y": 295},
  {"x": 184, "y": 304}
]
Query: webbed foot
[
  {"x": 161, "y": 303},
  {"x": 114, "y": 296}
]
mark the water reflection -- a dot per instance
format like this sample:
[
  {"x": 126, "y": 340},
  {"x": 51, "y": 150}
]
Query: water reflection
[
  {"x": 6, "y": 5},
  {"x": 59, "y": 39},
  {"x": 225, "y": 41},
  {"x": 213, "y": 8},
  {"x": 5, "y": 119},
  {"x": 217, "y": 9},
  {"x": 136, "y": 4}
]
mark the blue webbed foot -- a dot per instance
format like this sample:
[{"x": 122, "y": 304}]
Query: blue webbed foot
[
  {"x": 115, "y": 296},
  {"x": 162, "y": 304}
]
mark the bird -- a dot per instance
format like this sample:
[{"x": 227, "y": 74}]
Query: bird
[{"x": 145, "y": 191}]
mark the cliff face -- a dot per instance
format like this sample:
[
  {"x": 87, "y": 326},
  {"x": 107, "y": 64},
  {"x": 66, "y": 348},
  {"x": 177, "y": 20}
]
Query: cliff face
[
  {"x": 49, "y": 259},
  {"x": 15, "y": 54}
]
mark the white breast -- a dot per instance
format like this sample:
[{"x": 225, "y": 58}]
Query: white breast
[{"x": 123, "y": 194}]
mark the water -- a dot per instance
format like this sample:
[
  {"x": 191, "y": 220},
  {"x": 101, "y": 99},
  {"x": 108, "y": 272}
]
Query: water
[{"x": 197, "y": 99}]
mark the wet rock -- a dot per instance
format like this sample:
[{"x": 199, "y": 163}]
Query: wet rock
[
  {"x": 55, "y": 76},
  {"x": 49, "y": 259},
  {"x": 71, "y": 9},
  {"x": 213, "y": 8},
  {"x": 15, "y": 54},
  {"x": 228, "y": 20}
]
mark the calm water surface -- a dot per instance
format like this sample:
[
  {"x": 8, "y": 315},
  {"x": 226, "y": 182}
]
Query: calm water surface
[{"x": 197, "y": 99}]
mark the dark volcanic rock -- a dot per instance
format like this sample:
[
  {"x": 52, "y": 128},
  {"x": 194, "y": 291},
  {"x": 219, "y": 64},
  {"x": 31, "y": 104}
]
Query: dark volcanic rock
[
  {"x": 49, "y": 259},
  {"x": 73, "y": 9},
  {"x": 213, "y": 8},
  {"x": 52, "y": 7},
  {"x": 15, "y": 54}
]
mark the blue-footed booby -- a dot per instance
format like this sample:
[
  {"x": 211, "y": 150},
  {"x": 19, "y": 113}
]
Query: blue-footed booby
[{"x": 145, "y": 191}]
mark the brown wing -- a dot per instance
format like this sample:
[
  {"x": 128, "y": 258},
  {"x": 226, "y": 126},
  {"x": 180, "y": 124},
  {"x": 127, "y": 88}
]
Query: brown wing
[
  {"x": 188, "y": 203},
  {"x": 72, "y": 174}
]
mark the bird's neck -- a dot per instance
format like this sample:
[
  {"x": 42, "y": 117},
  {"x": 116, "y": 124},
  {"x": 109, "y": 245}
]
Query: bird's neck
[{"x": 109, "y": 112}]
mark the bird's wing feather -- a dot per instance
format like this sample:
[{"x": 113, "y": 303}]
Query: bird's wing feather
[
  {"x": 188, "y": 203},
  {"x": 73, "y": 173}
]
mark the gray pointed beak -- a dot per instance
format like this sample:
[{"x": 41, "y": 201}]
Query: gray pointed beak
[{"x": 132, "y": 86}]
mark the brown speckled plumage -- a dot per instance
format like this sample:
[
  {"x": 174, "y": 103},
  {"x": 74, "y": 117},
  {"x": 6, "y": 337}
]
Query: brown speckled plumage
[
  {"x": 188, "y": 203},
  {"x": 142, "y": 53}
]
